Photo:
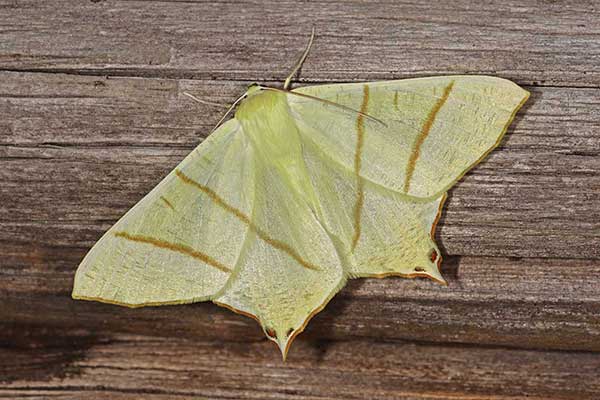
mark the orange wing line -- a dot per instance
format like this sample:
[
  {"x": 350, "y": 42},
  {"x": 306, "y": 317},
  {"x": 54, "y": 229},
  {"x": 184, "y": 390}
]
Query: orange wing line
[
  {"x": 416, "y": 151},
  {"x": 360, "y": 195},
  {"x": 246, "y": 220}
]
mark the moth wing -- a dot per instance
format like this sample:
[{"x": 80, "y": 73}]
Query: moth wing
[
  {"x": 424, "y": 135},
  {"x": 379, "y": 232},
  {"x": 177, "y": 245},
  {"x": 289, "y": 267}
]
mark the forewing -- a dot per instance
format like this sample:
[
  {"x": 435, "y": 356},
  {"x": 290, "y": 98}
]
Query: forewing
[
  {"x": 424, "y": 133},
  {"x": 179, "y": 244}
]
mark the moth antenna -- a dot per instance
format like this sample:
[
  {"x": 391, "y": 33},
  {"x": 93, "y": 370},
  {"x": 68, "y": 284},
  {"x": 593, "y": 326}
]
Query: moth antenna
[
  {"x": 209, "y": 103},
  {"x": 329, "y": 102},
  {"x": 235, "y": 103},
  {"x": 288, "y": 81}
]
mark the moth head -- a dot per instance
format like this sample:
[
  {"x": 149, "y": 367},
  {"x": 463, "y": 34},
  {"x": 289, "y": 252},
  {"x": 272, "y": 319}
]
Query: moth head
[{"x": 253, "y": 89}]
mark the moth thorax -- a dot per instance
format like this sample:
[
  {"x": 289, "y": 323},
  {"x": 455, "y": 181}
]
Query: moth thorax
[{"x": 266, "y": 120}]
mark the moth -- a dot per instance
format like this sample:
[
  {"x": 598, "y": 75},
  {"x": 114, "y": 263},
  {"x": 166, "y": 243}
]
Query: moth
[{"x": 300, "y": 191}]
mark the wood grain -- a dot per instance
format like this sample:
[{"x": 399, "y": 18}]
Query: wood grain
[
  {"x": 159, "y": 368},
  {"x": 545, "y": 42},
  {"x": 93, "y": 116}
]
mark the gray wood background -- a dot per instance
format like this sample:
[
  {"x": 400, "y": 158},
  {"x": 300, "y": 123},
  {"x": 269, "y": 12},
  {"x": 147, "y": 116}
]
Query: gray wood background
[{"x": 92, "y": 116}]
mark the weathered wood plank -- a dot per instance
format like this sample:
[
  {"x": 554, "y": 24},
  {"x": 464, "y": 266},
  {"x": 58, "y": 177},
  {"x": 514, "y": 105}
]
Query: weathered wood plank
[
  {"x": 532, "y": 42},
  {"x": 77, "y": 152},
  {"x": 79, "y": 364},
  {"x": 528, "y": 303}
]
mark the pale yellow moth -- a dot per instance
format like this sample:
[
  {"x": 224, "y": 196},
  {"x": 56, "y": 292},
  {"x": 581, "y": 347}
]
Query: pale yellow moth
[{"x": 300, "y": 191}]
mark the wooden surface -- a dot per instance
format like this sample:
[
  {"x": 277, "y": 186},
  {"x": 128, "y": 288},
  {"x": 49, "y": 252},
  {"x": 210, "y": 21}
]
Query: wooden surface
[{"x": 93, "y": 116}]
